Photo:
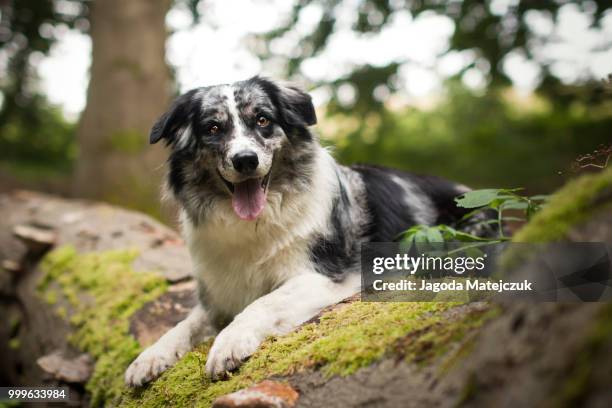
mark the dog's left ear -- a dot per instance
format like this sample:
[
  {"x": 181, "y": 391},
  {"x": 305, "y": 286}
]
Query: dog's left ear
[
  {"x": 173, "y": 123},
  {"x": 296, "y": 106}
]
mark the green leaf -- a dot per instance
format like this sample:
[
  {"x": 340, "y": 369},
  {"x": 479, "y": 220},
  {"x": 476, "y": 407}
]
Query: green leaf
[
  {"x": 420, "y": 241},
  {"x": 514, "y": 205},
  {"x": 420, "y": 236},
  {"x": 408, "y": 235},
  {"x": 434, "y": 235},
  {"x": 480, "y": 198},
  {"x": 477, "y": 198},
  {"x": 447, "y": 232}
]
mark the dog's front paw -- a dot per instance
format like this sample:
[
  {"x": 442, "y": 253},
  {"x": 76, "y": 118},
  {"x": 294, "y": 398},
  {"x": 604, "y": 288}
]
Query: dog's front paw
[
  {"x": 149, "y": 365},
  {"x": 229, "y": 350}
]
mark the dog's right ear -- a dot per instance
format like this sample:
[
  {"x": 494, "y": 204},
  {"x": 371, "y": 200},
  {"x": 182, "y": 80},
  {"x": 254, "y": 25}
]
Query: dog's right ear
[{"x": 173, "y": 123}]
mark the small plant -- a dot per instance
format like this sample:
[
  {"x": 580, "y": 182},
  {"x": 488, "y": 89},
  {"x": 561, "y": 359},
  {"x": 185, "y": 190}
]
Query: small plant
[{"x": 500, "y": 200}]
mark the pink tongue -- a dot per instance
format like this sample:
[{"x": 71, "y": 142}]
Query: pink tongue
[{"x": 249, "y": 199}]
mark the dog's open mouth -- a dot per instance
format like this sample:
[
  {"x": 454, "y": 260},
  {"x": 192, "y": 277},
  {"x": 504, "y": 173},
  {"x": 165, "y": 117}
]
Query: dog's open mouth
[{"x": 249, "y": 196}]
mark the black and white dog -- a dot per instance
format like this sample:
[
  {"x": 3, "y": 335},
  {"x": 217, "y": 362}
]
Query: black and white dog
[{"x": 273, "y": 223}]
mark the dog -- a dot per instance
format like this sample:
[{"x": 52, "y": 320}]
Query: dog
[{"x": 273, "y": 223}]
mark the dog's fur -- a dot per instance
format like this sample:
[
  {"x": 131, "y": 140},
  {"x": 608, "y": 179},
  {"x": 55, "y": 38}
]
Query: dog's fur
[{"x": 268, "y": 274}]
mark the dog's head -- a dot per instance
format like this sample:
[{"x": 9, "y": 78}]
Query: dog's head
[{"x": 226, "y": 141}]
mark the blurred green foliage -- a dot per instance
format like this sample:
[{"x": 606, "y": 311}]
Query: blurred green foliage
[
  {"x": 483, "y": 27},
  {"x": 482, "y": 140},
  {"x": 490, "y": 140},
  {"x": 37, "y": 138}
]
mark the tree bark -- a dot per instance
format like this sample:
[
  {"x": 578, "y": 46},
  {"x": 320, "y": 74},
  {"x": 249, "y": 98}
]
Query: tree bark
[{"x": 130, "y": 87}]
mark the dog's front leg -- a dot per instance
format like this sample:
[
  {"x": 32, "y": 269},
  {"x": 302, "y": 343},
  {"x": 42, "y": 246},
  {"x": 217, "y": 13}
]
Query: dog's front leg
[
  {"x": 278, "y": 312},
  {"x": 169, "y": 348}
]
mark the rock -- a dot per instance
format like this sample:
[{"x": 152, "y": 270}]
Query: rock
[
  {"x": 37, "y": 239},
  {"x": 71, "y": 370},
  {"x": 157, "y": 317},
  {"x": 168, "y": 254},
  {"x": 12, "y": 266},
  {"x": 266, "y": 394}
]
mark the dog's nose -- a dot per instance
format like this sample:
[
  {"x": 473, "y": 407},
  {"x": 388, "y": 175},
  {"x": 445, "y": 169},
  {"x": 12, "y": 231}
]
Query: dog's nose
[{"x": 245, "y": 162}]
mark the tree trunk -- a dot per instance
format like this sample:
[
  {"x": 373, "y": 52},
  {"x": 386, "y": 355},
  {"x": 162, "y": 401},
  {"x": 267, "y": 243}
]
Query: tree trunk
[{"x": 130, "y": 87}]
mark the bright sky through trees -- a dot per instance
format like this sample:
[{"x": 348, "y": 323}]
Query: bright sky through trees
[{"x": 217, "y": 50}]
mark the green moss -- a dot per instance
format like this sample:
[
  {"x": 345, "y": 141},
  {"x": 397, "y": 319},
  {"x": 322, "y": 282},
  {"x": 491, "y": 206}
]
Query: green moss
[
  {"x": 469, "y": 391},
  {"x": 465, "y": 348},
  {"x": 61, "y": 312},
  {"x": 344, "y": 341},
  {"x": 574, "y": 203},
  {"x": 14, "y": 323},
  {"x": 14, "y": 343},
  {"x": 131, "y": 66},
  {"x": 103, "y": 291},
  {"x": 127, "y": 141},
  {"x": 51, "y": 297},
  {"x": 10, "y": 404},
  {"x": 454, "y": 334}
]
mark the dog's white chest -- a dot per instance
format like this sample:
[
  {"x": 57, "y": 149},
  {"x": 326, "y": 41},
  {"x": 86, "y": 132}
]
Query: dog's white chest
[{"x": 237, "y": 271}]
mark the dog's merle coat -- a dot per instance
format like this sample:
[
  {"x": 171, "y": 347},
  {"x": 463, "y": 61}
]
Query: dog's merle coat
[{"x": 273, "y": 223}]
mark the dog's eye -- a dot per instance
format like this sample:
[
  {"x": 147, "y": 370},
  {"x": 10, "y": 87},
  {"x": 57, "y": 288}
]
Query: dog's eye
[
  {"x": 214, "y": 129},
  {"x": 262, "y": 121}
]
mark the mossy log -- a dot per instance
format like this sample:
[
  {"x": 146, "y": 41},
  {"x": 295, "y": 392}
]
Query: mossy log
[
  {"x": 114, "y": 280},
  {"x": 83, "y": 287}
]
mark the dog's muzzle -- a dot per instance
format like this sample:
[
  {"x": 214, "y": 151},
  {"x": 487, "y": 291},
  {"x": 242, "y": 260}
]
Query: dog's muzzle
[{"x": 248, "y": 196}]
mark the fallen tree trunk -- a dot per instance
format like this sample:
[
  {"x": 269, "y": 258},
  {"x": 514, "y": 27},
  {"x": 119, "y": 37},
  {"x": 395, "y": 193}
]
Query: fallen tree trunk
[
  {"x": 85, "y": 286},
  {"x": 39, "y": 342}
]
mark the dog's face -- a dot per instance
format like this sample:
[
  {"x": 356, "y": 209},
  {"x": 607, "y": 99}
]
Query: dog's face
[{"x": 227, "y": 141}]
